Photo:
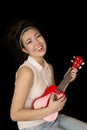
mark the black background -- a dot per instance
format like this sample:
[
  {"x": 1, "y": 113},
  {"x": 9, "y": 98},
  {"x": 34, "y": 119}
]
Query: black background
[{"x": 64, "y": 29}]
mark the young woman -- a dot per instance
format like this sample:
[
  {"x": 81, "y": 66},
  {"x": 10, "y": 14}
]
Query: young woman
[{"x": 33, "y": 77}]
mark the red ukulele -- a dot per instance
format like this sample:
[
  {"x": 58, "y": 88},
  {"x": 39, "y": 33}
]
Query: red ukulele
[{"x": 43, "y": 101}]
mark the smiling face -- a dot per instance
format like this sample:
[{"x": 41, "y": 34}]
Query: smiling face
[{"x": 34, "y": 43}]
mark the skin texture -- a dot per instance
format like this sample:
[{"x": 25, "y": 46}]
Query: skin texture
[{"x": 34, "y": 45}]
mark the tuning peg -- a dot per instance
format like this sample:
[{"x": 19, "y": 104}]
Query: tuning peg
[
  {"x": 74, "y": 57},
  {"x": 83, "y": 63},
  {"x": 71, "y": 60},
  {"x": 80, "y": 67}
]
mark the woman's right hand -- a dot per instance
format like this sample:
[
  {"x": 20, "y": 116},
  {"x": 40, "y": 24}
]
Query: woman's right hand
[{"x": 56, "y": 106}]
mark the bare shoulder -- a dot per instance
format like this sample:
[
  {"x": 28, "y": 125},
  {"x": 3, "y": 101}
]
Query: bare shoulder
[
  {"x": 25, "y": 71},
  {"x": 51, "y": 67},
  {"x": 52, "y": 72}
]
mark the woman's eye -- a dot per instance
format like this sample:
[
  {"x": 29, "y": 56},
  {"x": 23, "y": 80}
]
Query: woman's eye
[
  {"x": 29, "y": 42},
  {"x": 39, "y": 35}
]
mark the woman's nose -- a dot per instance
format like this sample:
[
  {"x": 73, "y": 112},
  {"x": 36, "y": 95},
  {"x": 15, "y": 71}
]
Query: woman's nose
[{"x": 36, "y": 42}]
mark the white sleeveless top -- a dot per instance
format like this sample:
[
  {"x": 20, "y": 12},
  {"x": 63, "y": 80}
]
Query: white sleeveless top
[{"x": 42, "y": 80}]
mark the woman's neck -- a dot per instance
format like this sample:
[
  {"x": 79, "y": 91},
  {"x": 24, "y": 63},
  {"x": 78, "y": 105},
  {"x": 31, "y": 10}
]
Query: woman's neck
[{"x": 39, "y": 60}]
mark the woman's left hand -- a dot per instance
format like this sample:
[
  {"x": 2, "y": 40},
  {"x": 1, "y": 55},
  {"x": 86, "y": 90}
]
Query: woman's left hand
[{"x": 73, "y": 74}]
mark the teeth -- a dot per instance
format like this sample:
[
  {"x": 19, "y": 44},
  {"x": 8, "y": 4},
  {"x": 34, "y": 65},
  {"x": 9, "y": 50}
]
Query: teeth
[{"x": 39, "y": 48}]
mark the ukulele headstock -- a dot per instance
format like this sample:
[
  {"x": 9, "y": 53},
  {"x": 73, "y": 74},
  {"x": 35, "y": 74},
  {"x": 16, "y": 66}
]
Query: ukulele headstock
[{"x": 78, "y": 62}]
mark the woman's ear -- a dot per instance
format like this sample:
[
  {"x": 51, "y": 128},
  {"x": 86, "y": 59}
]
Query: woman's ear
[{"x": 24, "y": 50}]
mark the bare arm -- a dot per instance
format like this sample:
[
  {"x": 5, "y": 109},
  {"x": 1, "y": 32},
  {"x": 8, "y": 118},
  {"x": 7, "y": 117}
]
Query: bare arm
[{"x": 24, "y": 82}]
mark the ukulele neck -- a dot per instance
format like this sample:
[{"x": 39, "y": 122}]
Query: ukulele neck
[{"x": 65, "y": 82}]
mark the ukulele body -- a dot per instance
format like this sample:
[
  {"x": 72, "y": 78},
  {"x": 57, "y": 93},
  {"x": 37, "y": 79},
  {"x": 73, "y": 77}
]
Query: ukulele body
[{"x": 43, "y": 101}]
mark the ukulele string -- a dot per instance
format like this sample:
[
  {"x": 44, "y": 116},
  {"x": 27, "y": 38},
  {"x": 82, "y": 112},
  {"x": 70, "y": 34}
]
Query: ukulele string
[{"x": 64, "y": 82}]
